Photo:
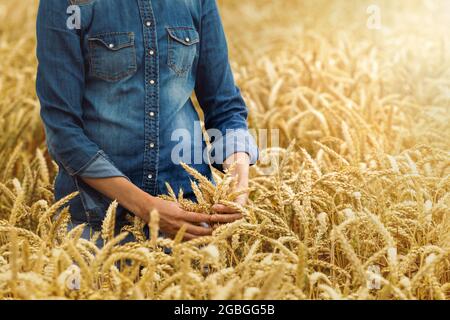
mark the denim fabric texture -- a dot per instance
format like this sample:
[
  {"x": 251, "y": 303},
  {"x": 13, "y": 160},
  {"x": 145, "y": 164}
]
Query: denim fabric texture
[{"x": 114, "y": 90}]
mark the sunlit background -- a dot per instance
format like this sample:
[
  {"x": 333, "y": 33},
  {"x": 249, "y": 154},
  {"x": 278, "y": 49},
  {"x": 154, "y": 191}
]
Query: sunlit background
[{"x": 359, "y": 91}]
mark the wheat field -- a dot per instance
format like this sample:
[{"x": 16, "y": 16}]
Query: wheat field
[{"x": 357, "y": 206}]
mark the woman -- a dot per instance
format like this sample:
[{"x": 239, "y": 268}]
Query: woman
[{"x": 115, "y": 80}]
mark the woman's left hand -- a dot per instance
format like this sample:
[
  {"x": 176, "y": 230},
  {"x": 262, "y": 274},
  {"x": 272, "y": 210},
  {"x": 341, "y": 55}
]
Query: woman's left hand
[{"x": 241, "y": 170}]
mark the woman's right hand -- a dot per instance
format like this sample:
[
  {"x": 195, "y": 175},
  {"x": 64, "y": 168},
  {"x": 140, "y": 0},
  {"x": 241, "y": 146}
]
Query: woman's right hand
[{"x": 172, "y": 218}]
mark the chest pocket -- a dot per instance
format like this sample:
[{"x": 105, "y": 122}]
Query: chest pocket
[
  {"x": 182, "y": 48},
  {"x": 112, "y": 56}
]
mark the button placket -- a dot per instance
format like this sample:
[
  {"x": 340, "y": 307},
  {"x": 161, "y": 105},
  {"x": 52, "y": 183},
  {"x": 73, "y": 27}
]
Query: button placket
[{"x": 151, "y": 152}]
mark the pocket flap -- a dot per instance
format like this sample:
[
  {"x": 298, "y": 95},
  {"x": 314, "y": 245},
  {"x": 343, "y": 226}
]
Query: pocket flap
[
  {"x": 185, "y": 35},
  {"x": 114, "y": 40}
]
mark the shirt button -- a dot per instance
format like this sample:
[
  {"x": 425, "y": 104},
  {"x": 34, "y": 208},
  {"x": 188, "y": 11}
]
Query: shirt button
[
  {"x": 148, "y": 23},
  {"x": 152, "y": 81},
  {"x": 152, "y": 145},
  {"x": 111, "y": 45},
  {"x": 188, "y": 40},
  {"x": 150, "y": 176},
  {"x": 151, "y": 52},
  {"x": 152, "y": 114}
]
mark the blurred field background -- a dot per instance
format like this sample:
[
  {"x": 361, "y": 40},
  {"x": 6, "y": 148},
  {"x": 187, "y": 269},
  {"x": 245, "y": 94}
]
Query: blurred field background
[{"x": 362, "y": 182}]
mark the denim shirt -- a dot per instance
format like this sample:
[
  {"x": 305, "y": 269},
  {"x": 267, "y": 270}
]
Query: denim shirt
[{"x": 116, "y": 80}]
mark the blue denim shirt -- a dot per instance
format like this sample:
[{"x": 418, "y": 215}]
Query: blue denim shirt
[{"x": 116, "y": 80}]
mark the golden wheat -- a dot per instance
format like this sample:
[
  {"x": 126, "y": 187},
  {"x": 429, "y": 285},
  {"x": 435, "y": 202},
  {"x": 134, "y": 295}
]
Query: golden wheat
[{"x": 361, "y": 176}]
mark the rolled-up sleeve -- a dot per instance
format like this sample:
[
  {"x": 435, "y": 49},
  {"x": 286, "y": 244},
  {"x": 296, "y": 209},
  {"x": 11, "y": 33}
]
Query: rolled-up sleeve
[
  {"x": 221, "y": 101},
  {"x": 60, "y": 86}
]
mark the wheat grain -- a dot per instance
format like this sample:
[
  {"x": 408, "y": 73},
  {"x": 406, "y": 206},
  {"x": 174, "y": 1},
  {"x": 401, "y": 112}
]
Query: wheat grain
[{"x": 360, "y": 176}]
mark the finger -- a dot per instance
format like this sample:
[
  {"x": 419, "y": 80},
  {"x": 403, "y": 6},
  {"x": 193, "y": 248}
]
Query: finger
[
  {"x": 220, "y": 208},
  {"x": 225, "y": 218},
  {"x": 195, "y": 217},
  {"x": 188, "y": 237},
  {"x": 197, "y": 230}
]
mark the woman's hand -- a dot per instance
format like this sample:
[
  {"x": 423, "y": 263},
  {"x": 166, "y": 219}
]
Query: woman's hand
[
  {"x": 241, "y": 171},
  {"x": 172, "y": 218}
]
